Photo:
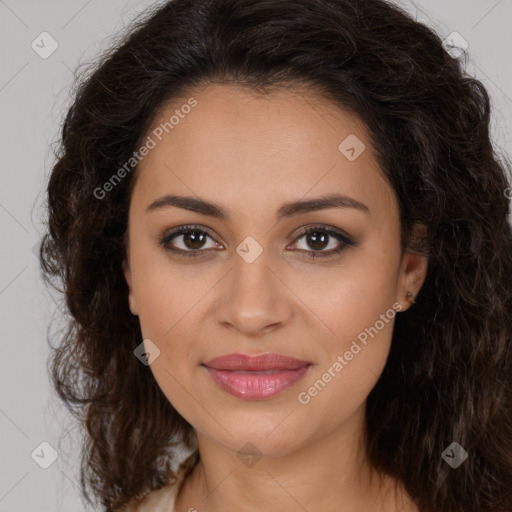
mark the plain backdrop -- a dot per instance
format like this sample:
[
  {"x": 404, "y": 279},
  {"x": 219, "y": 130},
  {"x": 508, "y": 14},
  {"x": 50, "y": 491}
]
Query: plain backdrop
[{"x": 34, "y": 95}]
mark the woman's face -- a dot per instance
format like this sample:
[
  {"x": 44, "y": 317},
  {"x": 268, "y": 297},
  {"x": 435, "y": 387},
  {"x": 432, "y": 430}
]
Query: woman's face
[{"x": 247, "y": 283}]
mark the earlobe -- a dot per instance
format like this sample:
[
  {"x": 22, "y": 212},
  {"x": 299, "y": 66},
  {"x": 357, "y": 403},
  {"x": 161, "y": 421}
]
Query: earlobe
[
  {"x": 413, "y": 270},
  {"x": 412, "y": 276},
  {"x": 131, "y": 298}
]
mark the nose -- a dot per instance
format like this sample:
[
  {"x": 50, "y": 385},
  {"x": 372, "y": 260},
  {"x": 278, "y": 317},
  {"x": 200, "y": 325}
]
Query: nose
[{"x": 254, "y": 298}]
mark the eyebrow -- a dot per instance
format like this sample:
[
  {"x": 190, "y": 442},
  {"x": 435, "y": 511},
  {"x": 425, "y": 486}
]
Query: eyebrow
[{"x": 288, "y": 209}]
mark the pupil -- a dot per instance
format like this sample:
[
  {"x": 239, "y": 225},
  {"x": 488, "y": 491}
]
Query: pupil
[
  {"x": 195, "y": 237},
  {"x": 195, "y": 240},
  {"x": 312, "y": 239}
]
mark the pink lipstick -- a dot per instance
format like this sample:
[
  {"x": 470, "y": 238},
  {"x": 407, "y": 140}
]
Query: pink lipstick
[{"x": 255, "y": 377}]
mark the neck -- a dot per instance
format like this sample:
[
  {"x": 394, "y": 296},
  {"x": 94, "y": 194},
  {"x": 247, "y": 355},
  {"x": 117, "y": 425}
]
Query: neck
[{"x": 329, "y": 473}]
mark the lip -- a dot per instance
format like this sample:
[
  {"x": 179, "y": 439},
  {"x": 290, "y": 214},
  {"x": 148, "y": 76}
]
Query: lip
[{"x": 255, "y": 377}]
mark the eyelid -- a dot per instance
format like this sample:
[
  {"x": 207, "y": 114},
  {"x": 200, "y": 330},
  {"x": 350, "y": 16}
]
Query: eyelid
[
  {"x": 332, "y": 230},
  {"x": 343, "y": 238},
  {"x": 169, "y": 235},
  {"x": 345, "y": 241}
]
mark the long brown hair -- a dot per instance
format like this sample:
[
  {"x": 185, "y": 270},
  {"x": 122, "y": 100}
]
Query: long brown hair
[{"x": 449, "y": 372}]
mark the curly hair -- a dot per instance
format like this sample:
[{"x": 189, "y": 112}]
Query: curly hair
[{"x": 448, "y": 376}]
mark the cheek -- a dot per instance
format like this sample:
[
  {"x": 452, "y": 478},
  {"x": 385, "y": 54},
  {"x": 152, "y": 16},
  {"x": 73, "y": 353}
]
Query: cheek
[
  {"x": 353, "y": 299},
  {"x": 166, "y": 314},
  {"x": 343, "y": 380},
  {"x": 360, "y": 310},
  {"x": 359, "y": 304},
  {"x": 169, "y": 299},
  {"x": 166, "y": 295}
]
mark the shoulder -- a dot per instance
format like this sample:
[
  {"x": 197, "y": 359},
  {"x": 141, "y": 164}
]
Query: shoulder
[
  {"x": 158, "y": 500},
  {"x": 163, "y": 499}
]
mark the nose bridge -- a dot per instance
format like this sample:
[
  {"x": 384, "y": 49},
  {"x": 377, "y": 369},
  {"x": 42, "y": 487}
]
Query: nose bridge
[{"x": 254, "y": 298}]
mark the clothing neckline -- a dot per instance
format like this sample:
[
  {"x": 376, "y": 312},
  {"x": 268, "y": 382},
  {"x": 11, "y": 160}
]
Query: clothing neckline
[{"x": 164, "y": 498}]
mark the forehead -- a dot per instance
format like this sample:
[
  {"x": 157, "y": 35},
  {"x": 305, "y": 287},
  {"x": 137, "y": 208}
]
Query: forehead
[{"x": 253, "y": 150}]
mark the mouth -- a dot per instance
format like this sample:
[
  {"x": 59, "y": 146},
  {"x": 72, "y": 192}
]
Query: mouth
[{"x": 255, "y": 377}]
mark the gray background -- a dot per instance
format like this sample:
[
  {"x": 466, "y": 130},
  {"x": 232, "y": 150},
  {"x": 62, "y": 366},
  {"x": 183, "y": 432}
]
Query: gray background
[{"x": 34, "y": 95}]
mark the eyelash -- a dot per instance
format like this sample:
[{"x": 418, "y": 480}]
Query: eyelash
[{"x": 345, "y": 241}]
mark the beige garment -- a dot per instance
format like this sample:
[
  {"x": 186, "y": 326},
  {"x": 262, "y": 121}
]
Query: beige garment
[{"x": 163, "y": 499}]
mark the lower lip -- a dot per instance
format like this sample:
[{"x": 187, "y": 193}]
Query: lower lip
[{"x": 254, "y": 385}]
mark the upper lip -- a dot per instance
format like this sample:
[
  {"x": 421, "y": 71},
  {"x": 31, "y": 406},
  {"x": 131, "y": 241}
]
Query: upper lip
[{"x": 242, "y": 362}]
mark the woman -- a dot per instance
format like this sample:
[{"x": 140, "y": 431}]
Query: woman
[{"x": 281, "y": 231}]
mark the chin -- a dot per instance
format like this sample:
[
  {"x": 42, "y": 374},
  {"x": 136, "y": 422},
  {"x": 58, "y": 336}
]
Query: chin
[{"x": 260, "y": 436}]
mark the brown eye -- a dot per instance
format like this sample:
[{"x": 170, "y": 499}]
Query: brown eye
[
  {"x": 317, "y": 240},
  {"x": 187, "y": 240},
  {"x": 194, "y": 239},
  {"x": 320, "y": 238}
]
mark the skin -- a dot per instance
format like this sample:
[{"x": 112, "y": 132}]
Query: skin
[{"x": 250, "y": 154}]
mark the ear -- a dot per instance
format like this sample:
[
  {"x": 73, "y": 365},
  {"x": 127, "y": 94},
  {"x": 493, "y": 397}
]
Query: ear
[
  {"x": 131, "y": 296},
  {"x": 413, "y": 271}
]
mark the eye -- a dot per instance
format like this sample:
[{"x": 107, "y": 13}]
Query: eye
[
  {"x": 190, "y": 238},
  {"x": 321, "y": 237},
  {"x": 191, "y": 241}
]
